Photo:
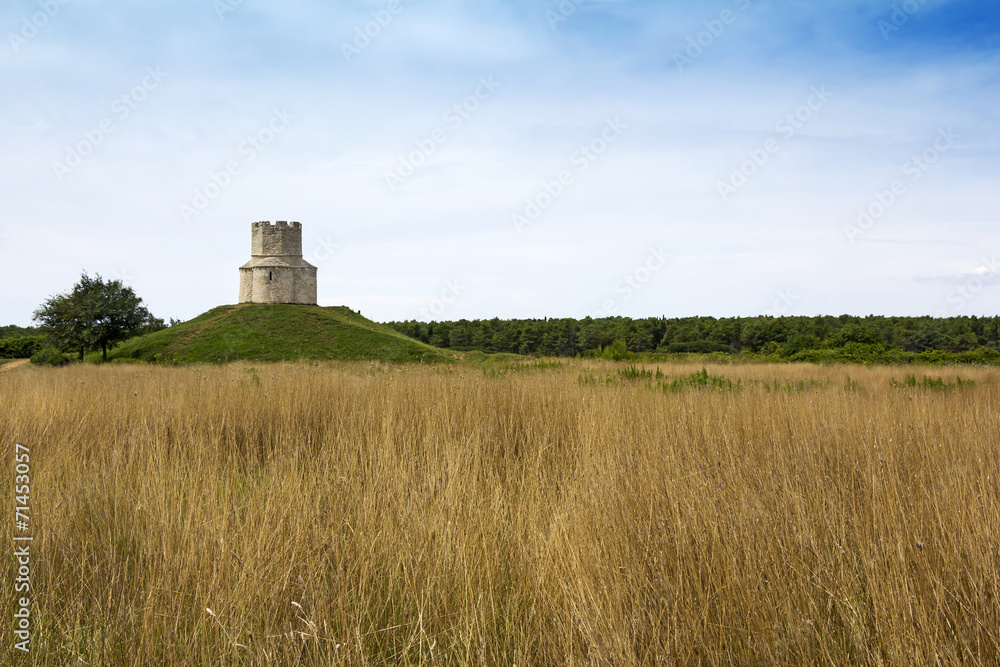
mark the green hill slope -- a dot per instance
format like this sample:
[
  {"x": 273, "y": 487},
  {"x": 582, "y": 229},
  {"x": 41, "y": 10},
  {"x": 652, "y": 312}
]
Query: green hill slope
[{"x": 263, "y": 332}]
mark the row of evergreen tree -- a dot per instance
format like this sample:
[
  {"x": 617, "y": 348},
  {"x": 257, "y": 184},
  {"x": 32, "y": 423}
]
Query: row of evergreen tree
[{"x": 781, "y": 336}]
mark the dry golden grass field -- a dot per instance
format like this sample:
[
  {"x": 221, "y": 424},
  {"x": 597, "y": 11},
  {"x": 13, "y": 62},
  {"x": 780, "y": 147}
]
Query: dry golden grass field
[{"x": 572, "y": 513}]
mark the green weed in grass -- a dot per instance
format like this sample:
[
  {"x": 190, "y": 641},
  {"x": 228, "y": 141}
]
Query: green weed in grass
[{"x": 931, "y": 384}]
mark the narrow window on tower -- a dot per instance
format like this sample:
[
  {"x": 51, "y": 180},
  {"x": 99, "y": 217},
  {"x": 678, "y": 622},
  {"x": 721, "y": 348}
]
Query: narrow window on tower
[{"x": 269, "y": 276}]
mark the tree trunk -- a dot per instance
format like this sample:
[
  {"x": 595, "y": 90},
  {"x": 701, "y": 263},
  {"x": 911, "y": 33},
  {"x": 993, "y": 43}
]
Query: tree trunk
[
  {"x": 81, "y": 353},
  {"x": 104, "y": 352}
]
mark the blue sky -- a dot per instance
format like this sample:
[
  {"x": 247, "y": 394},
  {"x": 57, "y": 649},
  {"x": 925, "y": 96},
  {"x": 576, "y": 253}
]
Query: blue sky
[{"x": 503, "y": 158}]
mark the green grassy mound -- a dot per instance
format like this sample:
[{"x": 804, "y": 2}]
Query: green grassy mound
[{"x": 263, "y": 332}]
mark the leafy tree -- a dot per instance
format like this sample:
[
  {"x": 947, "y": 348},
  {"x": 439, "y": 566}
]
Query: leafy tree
[
  {"x": 505, "y": 340},
  {"x": 62, "y": 318},
  {"x": 482, "y": 339},
  {"x": 799, "y": 343},
  {"x": 95, "y": 314},
  {"x": 855, "y": 333},
  {"x": 154, "y": 324},
  {"x": 461, "y": 335},
  {"x": 755, "y": 335},
  {"x": 598, "y": 334},
  {"x": 440, "y": 334}
]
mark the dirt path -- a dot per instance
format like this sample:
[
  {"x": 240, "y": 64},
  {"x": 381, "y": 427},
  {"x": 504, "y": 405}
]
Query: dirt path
[{"x": 13, "y": 364}]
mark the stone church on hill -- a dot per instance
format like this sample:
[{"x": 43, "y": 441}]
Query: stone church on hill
[{"x": 276, "y": 272}]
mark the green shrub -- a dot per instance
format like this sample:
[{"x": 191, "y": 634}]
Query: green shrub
[
  {"x": 617, "y": 351},
  {"x": 636, "y": 373},
  {"x": 701, "y": 380},
  {"x": 49, "y": 356},
  {"x": 21, "y": 347},
  {"x": 982, "y": 355},
  {"x": 911, "y": 382}
]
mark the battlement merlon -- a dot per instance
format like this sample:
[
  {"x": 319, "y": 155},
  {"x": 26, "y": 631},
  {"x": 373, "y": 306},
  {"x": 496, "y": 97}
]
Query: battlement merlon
[
  {"x": 277, "y": 224},
  {"x": 282, "y": 239}
]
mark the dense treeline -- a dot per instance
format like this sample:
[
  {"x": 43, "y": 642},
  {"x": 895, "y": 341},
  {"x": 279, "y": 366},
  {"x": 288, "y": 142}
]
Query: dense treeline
[
  {"x": 20, "y": 342},
  {"x": 21, "y": 347},
  {"x": 820, "y": 338},
  {"x": 14, "y": 331},
  {"x": 800, "y": 338}
]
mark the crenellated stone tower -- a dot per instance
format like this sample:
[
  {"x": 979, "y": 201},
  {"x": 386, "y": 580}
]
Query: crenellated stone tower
[{"x": 276, "y": 272}]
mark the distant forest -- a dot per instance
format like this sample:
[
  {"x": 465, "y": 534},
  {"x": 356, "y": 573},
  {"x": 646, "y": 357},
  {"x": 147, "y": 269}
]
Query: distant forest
[
  {"x": 871, "y": 339},
  {"x": 19, "y": 342},
  {"x": 821, "y": 338}
]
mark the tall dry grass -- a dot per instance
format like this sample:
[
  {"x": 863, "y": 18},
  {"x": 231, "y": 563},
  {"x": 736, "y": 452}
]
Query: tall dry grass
[{"x": 384, "y": 515}]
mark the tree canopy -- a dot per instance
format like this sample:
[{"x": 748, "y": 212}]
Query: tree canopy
[
  {"x": 819, "y": 338},
  {"x": 95, "y": 314}
]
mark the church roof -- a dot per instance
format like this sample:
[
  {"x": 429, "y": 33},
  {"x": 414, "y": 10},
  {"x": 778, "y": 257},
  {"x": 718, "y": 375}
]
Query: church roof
[{"x": 278, "y": 261}]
